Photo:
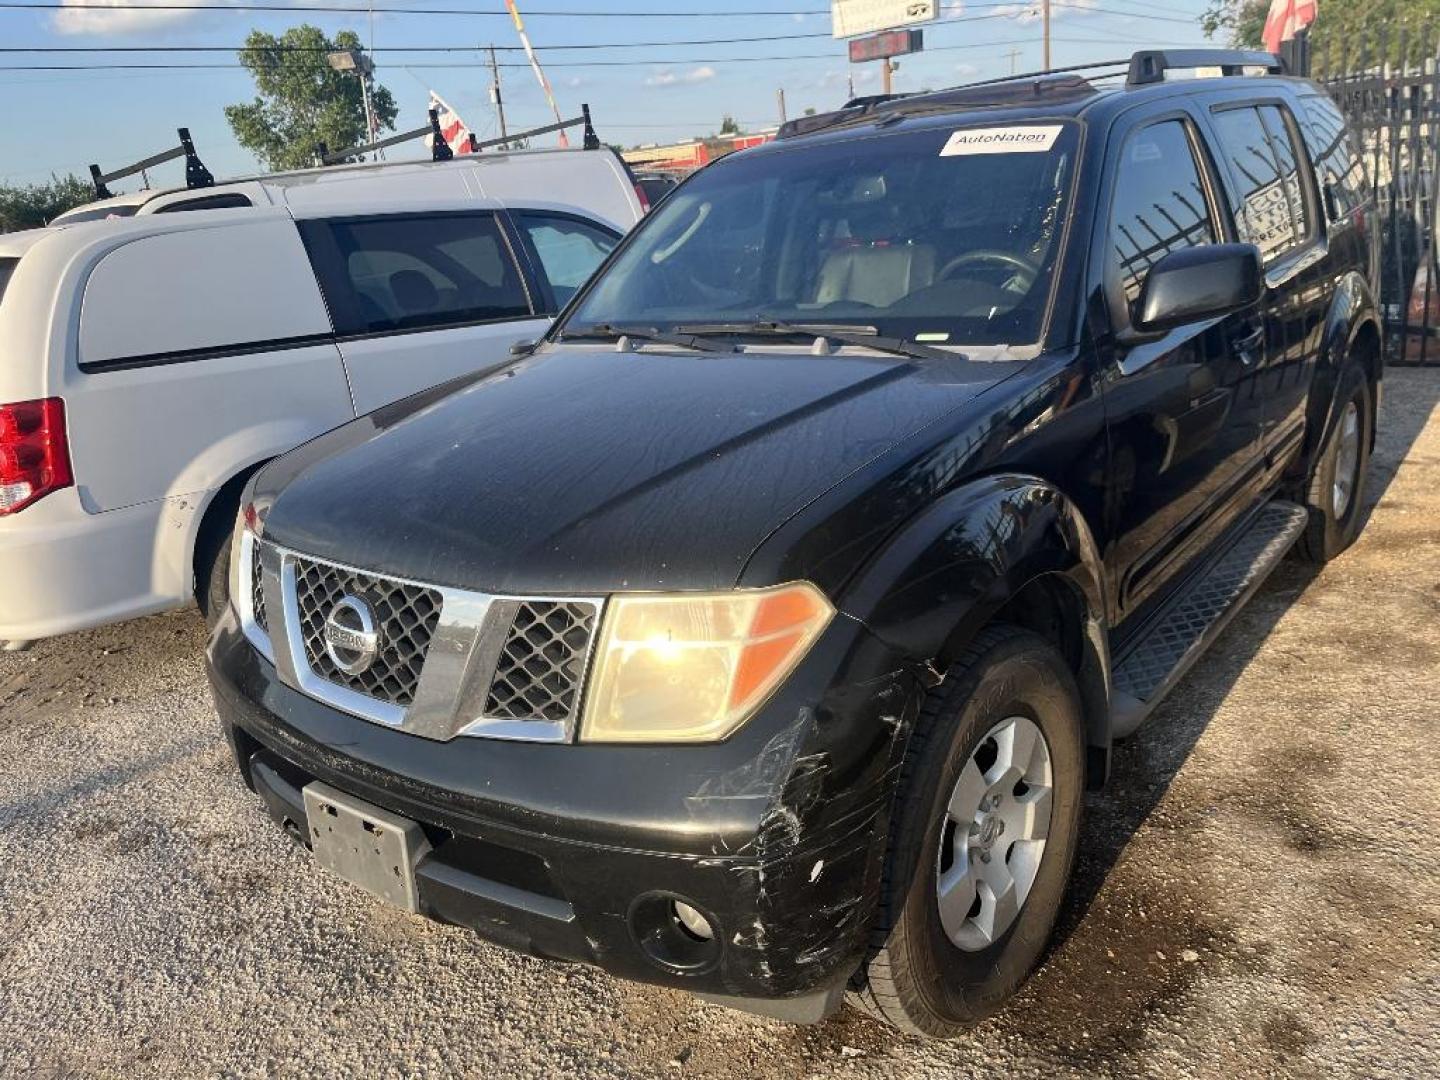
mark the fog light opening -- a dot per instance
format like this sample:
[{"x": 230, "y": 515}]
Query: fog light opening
[
  {"x": 692, "y": 922},
  {"x": 675, "y": 934}
]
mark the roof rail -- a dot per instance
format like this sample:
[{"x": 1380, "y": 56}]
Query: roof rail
[
  {"x": 1150, "y": 65},
  {"x": 440, "y": 149},
  {"x": 196, "y": 174},
  {"x": 1006, "y": 90}
]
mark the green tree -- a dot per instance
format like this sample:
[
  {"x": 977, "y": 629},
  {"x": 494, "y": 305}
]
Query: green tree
[
  {"x": 30, "y": 206},
  {"x": 302, "y": 100},
  {"x": 1342, "y": 25},
  {"x": 728, "y": 126}
]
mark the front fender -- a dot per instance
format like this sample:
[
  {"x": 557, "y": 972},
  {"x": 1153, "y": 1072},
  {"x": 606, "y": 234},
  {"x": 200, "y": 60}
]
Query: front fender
[
  {"x": 955, "y": 566},
  {"x": 1352, "y": 313}
]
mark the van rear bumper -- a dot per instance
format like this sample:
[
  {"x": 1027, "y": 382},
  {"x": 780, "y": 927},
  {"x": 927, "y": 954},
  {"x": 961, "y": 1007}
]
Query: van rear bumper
[{"x": 63, "y": 569}]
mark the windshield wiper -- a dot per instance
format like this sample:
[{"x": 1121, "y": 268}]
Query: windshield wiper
[
  {"x": 864, "y": 336},
  {"x": 680, "y": 340}
]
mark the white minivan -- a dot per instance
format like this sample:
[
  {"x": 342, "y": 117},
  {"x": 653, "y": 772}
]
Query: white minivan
[{"x": 149, "y": 364}]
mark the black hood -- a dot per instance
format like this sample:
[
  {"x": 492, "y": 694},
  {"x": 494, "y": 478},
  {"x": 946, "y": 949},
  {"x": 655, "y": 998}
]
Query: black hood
[{"x": 586, "y": 471}]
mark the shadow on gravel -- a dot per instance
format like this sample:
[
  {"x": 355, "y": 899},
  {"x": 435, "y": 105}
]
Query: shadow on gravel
[
  {"x": 1401, "y": 425},
  {"x": 1091, "y": 1003}
]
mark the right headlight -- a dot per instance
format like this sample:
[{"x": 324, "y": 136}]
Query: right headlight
[{"x": 693, "y": 667}]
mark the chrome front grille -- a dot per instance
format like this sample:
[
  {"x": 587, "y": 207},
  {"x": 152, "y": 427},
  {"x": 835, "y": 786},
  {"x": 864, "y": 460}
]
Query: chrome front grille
[
  {"x": 257, "y": 596},
  {"x": 405, "y": 615},
  {"x": 542, "y": 663},
  {"x": 438, "y": 662}
]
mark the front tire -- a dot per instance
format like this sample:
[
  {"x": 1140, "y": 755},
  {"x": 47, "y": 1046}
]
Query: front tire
[
  {"x": 1337, "y": 488},
  {"x": 982, "y": 840}
]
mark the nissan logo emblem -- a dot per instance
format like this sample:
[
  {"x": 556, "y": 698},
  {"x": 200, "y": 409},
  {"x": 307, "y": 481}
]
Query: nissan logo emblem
[{"x": 351, "y": 640}]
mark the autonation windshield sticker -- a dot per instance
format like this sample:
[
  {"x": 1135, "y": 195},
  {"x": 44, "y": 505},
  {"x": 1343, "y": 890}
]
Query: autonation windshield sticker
[{"x": 1001, "y": 140}]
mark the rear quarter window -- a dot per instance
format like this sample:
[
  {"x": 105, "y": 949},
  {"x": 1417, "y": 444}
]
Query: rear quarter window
[
  {"x": 1339, "y": 165},
  {"x": 7, "y": 270}
]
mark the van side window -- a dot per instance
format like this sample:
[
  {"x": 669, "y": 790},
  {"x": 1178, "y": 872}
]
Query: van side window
[
  {"x": 569, "y": 249},
  {"x": 413, "y": 271},
  {"x": 1159, "y": 205},
  {"x": 1339, "y": 166},
  {"x": 1271, "y": 213},
  {"x": 7, "y": 270}
]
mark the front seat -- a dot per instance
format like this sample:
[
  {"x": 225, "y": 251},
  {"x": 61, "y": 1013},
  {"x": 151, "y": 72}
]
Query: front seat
[{"x": 874, "y": 266}]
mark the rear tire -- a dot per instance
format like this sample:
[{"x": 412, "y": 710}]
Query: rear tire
[
  {"x": 1336, "y": 496},
  {"x": 940, "y": 965}
]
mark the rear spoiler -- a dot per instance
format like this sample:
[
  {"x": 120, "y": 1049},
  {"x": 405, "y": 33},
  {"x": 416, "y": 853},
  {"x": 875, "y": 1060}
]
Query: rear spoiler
[
  {"x": 196, "y": 174},
  {"x": 440, "y": 149}
]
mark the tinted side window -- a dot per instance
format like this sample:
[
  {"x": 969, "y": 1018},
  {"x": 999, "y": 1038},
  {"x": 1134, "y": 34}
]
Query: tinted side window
[
  {"x": 412, "y": 271},
  {"x": 7, "y": 268},
  {"x": 1159, "y": 204},
  {"x": 569, "y": 250},
  {"x": 1264, "y": 216},
  {"x": 1339, "y": 167},
  {"x": 1288, "y": 153}
]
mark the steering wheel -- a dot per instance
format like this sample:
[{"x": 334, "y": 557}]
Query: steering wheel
[{"x": 1025, "y": 270}]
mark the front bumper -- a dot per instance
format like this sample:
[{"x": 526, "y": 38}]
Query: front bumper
[{"x": 574, "y": 852}]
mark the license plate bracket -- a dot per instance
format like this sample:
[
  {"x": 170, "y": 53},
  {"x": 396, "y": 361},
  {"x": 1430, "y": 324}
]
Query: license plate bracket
[{"x": 365, "y": 845}]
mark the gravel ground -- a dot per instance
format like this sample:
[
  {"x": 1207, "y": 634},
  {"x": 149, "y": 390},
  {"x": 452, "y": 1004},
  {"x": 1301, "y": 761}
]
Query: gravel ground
[{"x": 1259, "y": 893}]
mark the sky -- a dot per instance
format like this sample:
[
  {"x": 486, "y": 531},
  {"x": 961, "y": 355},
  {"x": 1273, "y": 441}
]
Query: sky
[{"x": 651, "y": 90}]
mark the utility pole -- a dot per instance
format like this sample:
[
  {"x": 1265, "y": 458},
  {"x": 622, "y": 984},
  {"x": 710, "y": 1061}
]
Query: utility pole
[
  {"x": 1045, "y": 18},
  {"x": 495, "y": 97},
  {"x": 1014, "y": 55},
  {"x": 780, "y": 94},
  {"x": 888, "y": 69}
]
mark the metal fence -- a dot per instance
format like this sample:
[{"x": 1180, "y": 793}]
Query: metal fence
[{"x": 1388, "y": 87}]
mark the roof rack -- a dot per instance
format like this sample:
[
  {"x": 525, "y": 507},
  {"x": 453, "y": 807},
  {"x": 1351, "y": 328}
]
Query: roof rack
[
  {"x": 1141, "y": 69},
  {"x": 196, "y": 174},
  {"x": 440, "y": 149},
  {"x": 1052, "y": 85},
  {"x": 1151, "y": 65}
]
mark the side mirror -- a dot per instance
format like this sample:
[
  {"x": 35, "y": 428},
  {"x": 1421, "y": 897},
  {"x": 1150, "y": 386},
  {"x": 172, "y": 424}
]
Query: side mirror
[
  {"x": 1198, "y": 283},
  {"x": 523, "y": 348}
]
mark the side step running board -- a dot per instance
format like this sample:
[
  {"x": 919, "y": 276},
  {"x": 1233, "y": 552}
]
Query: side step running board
[{"x": 1183, "y": 629}]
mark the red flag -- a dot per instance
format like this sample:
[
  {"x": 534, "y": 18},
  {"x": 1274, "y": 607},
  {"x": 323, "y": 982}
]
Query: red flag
[
  {"x": 451, "y": 126},
  {"x": 1286, "y": 19}
]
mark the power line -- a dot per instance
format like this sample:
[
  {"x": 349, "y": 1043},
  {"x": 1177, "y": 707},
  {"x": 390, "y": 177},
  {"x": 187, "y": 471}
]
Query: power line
[
  {"x": 279, "y": 48},
  {"x": 1010, "y": 11},
  {"x": 652, "y": 62}
]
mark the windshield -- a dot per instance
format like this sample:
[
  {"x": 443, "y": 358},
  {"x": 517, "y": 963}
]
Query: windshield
[{"x": 943, "y": 236}]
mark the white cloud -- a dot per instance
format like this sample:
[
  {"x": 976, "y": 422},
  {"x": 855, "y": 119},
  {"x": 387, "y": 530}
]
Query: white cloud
[
  {"x": 670, "y": 77},
  {"x": 114, "y": 17},
  {"x": 966, "y": 70},
  {"x": 1030, "y": 13}
]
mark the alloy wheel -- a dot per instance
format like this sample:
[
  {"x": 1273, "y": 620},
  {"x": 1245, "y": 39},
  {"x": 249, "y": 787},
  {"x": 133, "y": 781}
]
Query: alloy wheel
[
  {"x": 993, "y": 836},
  {"x": 1347, "y": 460}
]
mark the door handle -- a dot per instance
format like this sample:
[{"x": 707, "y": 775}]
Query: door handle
[{"x": 1247, "y": 340}]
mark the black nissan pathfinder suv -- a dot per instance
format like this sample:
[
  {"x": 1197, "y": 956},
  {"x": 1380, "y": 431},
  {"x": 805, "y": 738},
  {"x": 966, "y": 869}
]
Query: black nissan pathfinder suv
[{"x": 758, "y": 631}]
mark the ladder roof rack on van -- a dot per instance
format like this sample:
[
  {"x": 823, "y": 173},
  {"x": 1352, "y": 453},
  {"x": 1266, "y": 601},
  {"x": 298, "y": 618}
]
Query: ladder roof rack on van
[
  {"x": 196, "y": 174},
  {"x": 440, "y": 149}
]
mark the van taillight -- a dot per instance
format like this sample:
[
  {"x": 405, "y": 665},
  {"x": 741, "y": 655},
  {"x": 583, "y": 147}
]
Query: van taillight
[
  {"x": 34, "y": 457},
  {"x": 644, "y": 199}
]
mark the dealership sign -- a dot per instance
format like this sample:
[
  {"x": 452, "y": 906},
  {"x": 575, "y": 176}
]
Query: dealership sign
[
  {"x": 852, "y": 17},
  {"x": 883, "y": 46}
]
